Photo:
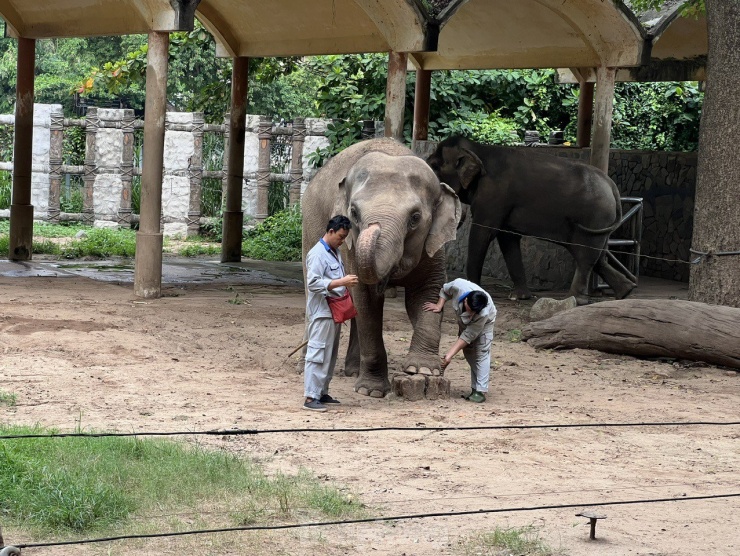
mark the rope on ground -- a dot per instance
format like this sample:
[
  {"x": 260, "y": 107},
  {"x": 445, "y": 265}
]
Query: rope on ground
[
  {"x": 378, "y": 519},
  {"x": 245, "y": 432}
]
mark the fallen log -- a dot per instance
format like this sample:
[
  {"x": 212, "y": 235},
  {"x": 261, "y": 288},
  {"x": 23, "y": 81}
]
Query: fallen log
[{"x": 645, "y": 328}]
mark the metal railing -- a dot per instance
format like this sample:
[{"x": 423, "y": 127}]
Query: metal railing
[{"x": 628, "y": 247}]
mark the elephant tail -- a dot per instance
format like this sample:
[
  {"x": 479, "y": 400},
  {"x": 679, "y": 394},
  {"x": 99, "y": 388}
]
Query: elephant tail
[{"x": 614, "y": 225}]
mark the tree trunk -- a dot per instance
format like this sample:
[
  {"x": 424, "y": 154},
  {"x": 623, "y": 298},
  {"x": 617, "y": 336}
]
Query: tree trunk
[
  {"x": 716, "y": 279},
  {"x": 645, "y": 328}
]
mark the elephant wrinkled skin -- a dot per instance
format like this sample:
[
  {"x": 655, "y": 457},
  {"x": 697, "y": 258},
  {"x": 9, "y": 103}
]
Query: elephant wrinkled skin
[
  {"x": 401, "y": 218},
  {"x": 525, "y": 192}
]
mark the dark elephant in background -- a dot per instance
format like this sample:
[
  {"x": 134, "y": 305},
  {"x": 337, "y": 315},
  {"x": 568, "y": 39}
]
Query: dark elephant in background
[
  {"x": 401, "y": 218},
  {"x": 515, "y": 192}
]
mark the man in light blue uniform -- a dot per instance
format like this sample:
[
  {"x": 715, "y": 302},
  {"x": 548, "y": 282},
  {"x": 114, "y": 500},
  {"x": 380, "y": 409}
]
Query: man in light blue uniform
[
  {"x": 324, "y": 278},
  {"x": 476, "y": 314}
]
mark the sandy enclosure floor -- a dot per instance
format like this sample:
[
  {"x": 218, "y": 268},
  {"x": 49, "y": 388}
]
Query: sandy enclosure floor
[{"x": 81, "y": 352}]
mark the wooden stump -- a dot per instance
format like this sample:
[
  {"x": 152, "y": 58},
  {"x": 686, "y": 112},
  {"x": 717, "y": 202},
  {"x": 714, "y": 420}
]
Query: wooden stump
[
  {"x": 645, "y": 328},
  {"x": 413, "y": 388}
]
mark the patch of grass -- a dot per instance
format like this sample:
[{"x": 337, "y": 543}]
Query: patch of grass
[
  {"x": 102, "y": 242},
  {"x": 196, "y": 249},
  {"x": 509, "y": 542},
  {"x": 43, "y": 229},
  {"x": 55, "y": 487},
  {"x": 514, "y": 335},
  {"x": 8, "y": 398},
  {"x": 278, "y": 238}
]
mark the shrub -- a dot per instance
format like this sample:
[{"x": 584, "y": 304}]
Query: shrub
[{"x": 278, "y": 238}]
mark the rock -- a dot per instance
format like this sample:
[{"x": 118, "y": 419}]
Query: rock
[
  {"x": 545, "y": 307},
  {"x": 81, "y": 235}
]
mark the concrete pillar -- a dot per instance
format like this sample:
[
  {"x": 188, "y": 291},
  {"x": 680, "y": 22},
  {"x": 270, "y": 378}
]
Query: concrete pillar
[
  {"x": 127, "y": 169},
  {"x": 21, "y": 209},
  {"x": 585, "y": 114},
  {"x": 148, "y": 269},
  {"x": 263, "y": 168},
  {"x": 233, "y": 217},
  {"x": 56, "y": 143},
  {"x": 422, "y": 93},
  {"x": 195, "y": 173},
  {"x": 395, "y": 94},
  {"x": 296, "y": 160},
  {"x": 92, "y": 124},
  {"x": 603, "y": 117}
]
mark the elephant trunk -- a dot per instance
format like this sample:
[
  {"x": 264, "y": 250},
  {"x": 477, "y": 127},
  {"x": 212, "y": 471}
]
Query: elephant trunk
[{"x": 366, "y": 257}]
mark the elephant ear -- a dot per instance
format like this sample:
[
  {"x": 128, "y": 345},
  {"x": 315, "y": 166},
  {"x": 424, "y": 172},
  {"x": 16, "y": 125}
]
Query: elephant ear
[
  {"x": 446, "y": 215},
  {"x": 469, "y": 168}
]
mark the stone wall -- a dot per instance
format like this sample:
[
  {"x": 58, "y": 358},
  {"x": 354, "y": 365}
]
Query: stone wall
[{"x": 665, "y": 181}]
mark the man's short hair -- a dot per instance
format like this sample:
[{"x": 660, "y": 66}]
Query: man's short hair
[
  {"x": 339, "y": 222},
  {"x": 477, "y": 301}
]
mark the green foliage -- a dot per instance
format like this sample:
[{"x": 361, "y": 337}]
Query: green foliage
[
  {"x": 692, "y": 8},
  {"x": 59, "y": 486},
  {"x": 102, "y": 242},
  {"x": 8, "y": 398},
  {"x": 278, "y": 238},
  {"x": 504, "y": 542},
  {"x": 194, "y": 250},
  {"x": 657, "y": 116},
  {"x": 6, "y": 187}
]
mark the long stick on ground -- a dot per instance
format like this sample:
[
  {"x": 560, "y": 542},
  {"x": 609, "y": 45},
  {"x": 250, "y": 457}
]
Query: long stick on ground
[{"x": 303, "y": 344}]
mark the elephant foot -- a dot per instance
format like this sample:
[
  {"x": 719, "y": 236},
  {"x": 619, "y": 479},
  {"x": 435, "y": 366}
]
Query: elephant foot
[
  {"x": 373, "y": 387},
  {"x": 413, "y": 388},
  {"x": 520, "y": 293},
  {"x": 625, "y": 290},
  {"x": 351, "y": 369},
  {"x": 422, "y": 364}
]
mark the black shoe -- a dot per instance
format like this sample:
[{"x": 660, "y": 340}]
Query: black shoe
[
  {"x": 326, "y": 398},
  {"x": 314, "y": 405}
]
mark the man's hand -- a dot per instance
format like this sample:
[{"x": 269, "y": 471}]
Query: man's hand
[
  {"x": 445, "y": 362},
  {"x": 350, "y": 280},
  {"x": 433, "y": 307}
]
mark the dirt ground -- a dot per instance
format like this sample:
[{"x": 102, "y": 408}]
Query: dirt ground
[{"x": 212, "y": 355}]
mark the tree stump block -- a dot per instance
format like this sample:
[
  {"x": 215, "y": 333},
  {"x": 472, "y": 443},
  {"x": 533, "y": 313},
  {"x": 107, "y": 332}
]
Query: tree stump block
[{"x": 413, "y": 388}]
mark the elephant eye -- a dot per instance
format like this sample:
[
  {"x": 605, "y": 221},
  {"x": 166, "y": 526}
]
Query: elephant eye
[
  {"x": 353, "y": 214},
  {"x": 414, "y": 220},
  {"x": 458, "y": 162}
]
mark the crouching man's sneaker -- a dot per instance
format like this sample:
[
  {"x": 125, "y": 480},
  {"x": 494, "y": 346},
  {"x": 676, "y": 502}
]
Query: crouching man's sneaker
[{"x": 314, "y": 405}]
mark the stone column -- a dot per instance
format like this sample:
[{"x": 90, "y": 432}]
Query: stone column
[
  {"x": 88, "y": 178},
  {"x": 56, "y": 144},
  {"x": 422, "y": 93},
  {"x": 585, "y": 114},
  {"x": 233, "y": 217},
  {"x": 603, "y": 117},
  {"x": 127, "y": 169},
  {"x": 21, "y": 209},
  {"x": 263, "y": 169},
  {"x": 296, "y": 160},
  {"x": 395, "y": 94},
  {"x": 195, "y": 172},
  {"x": 148, "y": 269}
]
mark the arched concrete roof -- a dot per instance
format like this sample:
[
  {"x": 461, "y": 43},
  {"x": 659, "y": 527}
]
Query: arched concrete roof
[
  {"x": 42, "y": 19},
  {"x": 486, "y": 34},
  {"x": 241, "y": 27},
  {"x": 677, "y": 45},
  {"x": 301, "y": 27}
]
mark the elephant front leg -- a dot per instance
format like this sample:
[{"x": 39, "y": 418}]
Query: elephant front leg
[
  {"x": 372, "y": 379},
  {"x": 352, "y": 359},
  {"x": 423, "y": 356}
]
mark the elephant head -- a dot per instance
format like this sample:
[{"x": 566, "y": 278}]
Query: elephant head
[
  {"x": 455, "y": 163},
  {"x": 399, "y": 211}
]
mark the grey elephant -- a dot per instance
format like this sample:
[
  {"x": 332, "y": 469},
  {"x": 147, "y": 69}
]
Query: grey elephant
[
  {"x": 525, "y": 192},
  {"x": 401, "y": 218}
]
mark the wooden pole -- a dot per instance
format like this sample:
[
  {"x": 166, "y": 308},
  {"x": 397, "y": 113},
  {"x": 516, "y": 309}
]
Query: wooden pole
[
  {"x": 264, "y": 134},
  {"x": 21, "y": 209},
  {"x": 422, "y": 92},
  {"x": 585, "y": 114},
  {"x": 603, "y": 117},
  {"x": 148, "y": 266},
  {"x": 395, "y": 95},
  {"x": 233, "y": 217},
  {"x": 296, "y": 160}
]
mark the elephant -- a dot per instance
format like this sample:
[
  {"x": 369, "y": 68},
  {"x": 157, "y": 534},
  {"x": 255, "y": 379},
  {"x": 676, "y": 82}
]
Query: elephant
[
  {"x": 401, "y": 217},
  {"x": 517, "y": 192}
]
